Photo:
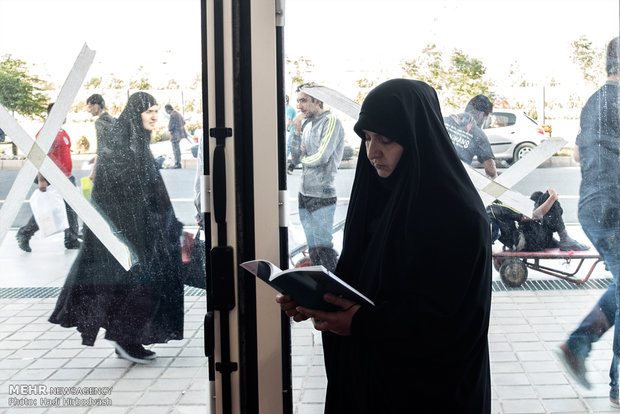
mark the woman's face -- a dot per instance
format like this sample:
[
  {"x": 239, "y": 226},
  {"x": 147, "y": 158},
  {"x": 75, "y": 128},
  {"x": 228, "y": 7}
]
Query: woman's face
[
  {"x": 383, "y": 153},
  {"x": 149, "y": 117}
]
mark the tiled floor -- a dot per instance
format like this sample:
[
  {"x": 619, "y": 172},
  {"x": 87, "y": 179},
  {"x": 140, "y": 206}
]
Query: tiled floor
[
  {"x": 526, "y": 377},
  {"x": 525, "y": 327}
]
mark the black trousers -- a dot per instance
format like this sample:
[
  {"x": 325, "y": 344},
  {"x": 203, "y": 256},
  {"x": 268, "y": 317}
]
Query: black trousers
[{"x": 176, "y": 150}]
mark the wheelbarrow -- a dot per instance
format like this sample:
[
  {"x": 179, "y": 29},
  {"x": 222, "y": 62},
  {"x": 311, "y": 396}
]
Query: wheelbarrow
[{"x": 512, "y": 265}]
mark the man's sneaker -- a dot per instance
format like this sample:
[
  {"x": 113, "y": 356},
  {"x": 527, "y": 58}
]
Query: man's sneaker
[
  {"x": 573, "y": 365},
  {"x": 572, "y": 244},
  {"x": 134, "y": 353},
  {"x": 23, "y": 242}
]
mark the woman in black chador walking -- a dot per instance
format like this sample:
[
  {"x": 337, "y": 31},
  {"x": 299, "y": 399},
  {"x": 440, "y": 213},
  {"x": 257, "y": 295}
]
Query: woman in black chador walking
[
  {"x": 424, "y": 344},
  {"x": 144, "y": 305}
]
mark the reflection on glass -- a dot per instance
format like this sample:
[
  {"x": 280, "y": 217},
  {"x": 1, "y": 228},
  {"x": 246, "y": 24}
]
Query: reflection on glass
[
  {"x": 60, "y": 153},
  {"x": 144, "y": 305},
  {"x": 317, "y": 143}
]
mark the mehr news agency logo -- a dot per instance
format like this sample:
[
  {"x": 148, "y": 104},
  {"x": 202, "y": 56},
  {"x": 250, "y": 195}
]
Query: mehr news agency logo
[{"x": 39, "y": 395}]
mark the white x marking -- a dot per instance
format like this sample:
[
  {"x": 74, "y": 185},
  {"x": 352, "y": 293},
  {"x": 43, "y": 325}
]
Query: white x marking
[{"x": 37, "y": 160}]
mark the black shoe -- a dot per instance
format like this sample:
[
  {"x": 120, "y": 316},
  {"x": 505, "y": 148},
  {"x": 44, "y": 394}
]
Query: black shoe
[
  {"x": 147, "y": 353},
  {"x": 73, "y": 244},
  {"x": 23, "y": 242},
  {"x": 134, "y": 353}
]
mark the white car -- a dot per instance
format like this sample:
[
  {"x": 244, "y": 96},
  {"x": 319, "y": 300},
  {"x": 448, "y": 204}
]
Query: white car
[{"x": 512, "y": 134}]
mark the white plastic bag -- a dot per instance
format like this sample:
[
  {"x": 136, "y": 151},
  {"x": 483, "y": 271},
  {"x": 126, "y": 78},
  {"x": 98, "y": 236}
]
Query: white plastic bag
[{"x": 49, "y": 211}]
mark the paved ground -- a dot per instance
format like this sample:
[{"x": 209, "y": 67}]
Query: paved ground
[{"x": 526, "y": 325}]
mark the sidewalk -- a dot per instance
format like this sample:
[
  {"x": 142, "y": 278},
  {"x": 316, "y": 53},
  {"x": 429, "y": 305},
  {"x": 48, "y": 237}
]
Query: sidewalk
[{"x": 526, "y": 325}]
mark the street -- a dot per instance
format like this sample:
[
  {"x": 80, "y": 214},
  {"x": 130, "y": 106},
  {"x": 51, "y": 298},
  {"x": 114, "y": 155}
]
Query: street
[{"x": 180, "y": 184}]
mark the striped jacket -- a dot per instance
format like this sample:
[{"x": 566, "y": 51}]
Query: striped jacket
[{"x": 323, "y": 139}]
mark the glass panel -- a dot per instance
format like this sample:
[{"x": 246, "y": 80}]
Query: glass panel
[
  {"x": 538, "y": 73},
  {"x": 78, "y": 330}
]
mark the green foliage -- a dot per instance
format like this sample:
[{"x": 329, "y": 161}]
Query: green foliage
[
  {"x": 589, "y": 60},
  {"x": 172, "y": 84},
  {"x": 21, "y": 92},
  {"x": 160, "y": 133},
  {"x": 365, "y": 83},
  {"x": 456, "y": 81},
  {"x": 297, "y": 69},
  {"x": 191, "y": 105},
  {"x": 93, "y": 83},
  {"x": 191, "y": 127},
  {"x": 141, "y": 83},
  {"x": 197, "y": 82},
  {"x": 116, "y": 83}
]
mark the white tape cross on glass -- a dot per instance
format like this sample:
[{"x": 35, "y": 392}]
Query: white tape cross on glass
[{"x": 37, "y": 160}]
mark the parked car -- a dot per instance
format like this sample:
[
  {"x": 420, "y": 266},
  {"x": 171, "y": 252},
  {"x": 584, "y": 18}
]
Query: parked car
[{"x": 512, "y": 134}]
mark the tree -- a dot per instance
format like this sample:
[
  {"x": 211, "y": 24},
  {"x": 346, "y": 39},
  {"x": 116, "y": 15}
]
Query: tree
[
  {"x": 115, "y": 83},
  {"x": 456, "y": 82},
  {"x": 19, "y": 91},
  {"x": 428, "y": 67},
  {"x": 172, "y": 84},
  {"x": 93, "y": 83},
  {"x": 301, "y": 66},
  {"x": 515, "y": 75},
  {"x": 142, "y": 83},
  {"x": 197, "y": 82},
  {"x": 589, "y": 60}
]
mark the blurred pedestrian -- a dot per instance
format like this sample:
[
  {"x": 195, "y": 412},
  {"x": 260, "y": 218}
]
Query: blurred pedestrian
[
  {"x": 598, "y": 151},
  {"x": 469, "y": 139},
  {"x": 318, "y": 142},
  {"x": 144, "y": 305},
  {"x": 103, "y": 123},
  {"x": 176, "y": 127},
  {"x": 60, "y": 153}
]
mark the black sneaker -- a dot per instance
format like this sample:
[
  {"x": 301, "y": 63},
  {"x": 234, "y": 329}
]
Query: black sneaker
[
  {"x": 134, "y": 353},
  {"x": 23, "y": 242},
  {"x": 147, "y": 353}
]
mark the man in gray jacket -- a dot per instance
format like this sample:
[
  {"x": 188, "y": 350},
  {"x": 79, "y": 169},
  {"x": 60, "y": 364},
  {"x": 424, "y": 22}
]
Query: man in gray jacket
[{"x": 318, "y": 142}]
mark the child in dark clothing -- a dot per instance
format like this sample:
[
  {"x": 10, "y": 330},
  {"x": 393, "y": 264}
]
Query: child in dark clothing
[{"x": 518, "y": 232}]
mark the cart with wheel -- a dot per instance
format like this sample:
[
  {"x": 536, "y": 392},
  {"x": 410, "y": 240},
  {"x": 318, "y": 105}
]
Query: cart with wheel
[{"x": 512, "y": 265}]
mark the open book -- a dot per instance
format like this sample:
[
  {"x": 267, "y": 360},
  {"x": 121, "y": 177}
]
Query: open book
[{"x": 306, "y": 285}]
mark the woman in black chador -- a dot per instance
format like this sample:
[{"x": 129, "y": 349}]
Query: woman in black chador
[
  {"x": 145, "y": 304},
  {"x": 416, "y": 242}
]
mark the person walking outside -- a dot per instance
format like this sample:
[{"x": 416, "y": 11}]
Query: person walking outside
[
  {"x": 103, "y": 123},
  {"x": 318, "y": 142},
  {"x": 60, "y": 153},
  {"x": 469, "y": 139},
  {"x": 144, "y": 305},
  {"x": 176, "y": 127},
  {"x": 598, "y": 151}
]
